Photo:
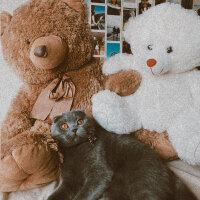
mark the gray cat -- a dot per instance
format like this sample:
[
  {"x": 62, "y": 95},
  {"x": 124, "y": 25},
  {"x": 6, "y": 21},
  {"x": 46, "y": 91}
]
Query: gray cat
[{"x": 99, "y": 164}]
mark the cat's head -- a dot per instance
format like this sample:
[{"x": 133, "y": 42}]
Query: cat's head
[{"x": 72, "y": 128}]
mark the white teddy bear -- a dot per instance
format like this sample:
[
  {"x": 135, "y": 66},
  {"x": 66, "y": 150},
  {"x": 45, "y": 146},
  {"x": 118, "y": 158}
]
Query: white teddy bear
[{"x": 165, "y": 42}]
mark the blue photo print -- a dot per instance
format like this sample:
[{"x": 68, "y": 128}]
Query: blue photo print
[
  {"x": 112, "y": 49},
  {"x": 97, "y": 17}
]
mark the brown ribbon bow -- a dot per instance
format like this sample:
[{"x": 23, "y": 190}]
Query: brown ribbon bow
[{"x": 56, "y": 98}]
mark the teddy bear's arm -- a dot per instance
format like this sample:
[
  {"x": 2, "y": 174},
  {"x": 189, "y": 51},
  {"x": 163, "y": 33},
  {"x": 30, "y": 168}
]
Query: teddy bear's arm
[
  {"x": 17, "y": 119},
  {"x": 123, "y": 83},
  {"x": 117, "y": 63}
]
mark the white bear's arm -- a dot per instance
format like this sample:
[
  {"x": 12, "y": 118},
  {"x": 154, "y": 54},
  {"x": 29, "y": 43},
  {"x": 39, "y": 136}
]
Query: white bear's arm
[
  {"x": 117, "y": 63},
  {"x": 194, "y": 83}
]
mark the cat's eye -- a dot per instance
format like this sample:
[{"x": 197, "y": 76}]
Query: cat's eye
[
  {"x": 80, "y": 122},
  {"x": 169, "y": 49},
  {"x": 64, "y": 126},
  {"x": 150, "y": 47}
]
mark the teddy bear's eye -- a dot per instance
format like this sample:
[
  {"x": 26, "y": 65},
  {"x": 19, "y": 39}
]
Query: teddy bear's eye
[
  {"x": 149, "y": 47},
  {"x": 169, "y": 49},
  {"x": 28, "y": 41}
]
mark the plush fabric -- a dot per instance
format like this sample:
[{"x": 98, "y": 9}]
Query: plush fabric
[
  {"x": 189, "y": 174},
  {"x": 40, "y": 193},
  {"x": 166, "y": 54},
  {"x": 29, "y": 157}
]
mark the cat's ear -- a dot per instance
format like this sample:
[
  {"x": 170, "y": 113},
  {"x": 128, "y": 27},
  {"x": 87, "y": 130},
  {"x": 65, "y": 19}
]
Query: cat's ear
[{"x": 57, "y": 117}]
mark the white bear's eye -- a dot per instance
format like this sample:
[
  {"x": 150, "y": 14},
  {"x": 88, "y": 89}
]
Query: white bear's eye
[
  {"x": 169, "y": 49},
  {"x": 150, "y": 47}
]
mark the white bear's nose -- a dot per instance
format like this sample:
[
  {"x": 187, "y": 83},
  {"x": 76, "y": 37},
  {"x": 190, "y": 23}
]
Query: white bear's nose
[{"x": 151, "y": 62}]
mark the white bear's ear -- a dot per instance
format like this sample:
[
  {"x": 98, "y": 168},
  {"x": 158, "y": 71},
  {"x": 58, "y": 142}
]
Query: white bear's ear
[
  {"x": 5, "y": 20},
  {"x": 128, "y": 29}
]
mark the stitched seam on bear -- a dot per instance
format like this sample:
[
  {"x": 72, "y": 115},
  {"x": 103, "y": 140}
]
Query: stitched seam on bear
[
  {"x": 20, "y": 166},
  {"x": 14, "y": 146}
]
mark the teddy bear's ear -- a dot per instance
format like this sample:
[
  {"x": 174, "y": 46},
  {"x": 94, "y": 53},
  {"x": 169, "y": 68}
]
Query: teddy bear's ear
[
  {"x": 78, "y": 5},
  {"x": 5, "y": 20}
]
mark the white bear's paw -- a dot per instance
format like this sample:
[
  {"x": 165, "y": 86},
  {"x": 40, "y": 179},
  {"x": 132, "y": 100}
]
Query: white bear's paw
[{"x": 108, "y": 109}]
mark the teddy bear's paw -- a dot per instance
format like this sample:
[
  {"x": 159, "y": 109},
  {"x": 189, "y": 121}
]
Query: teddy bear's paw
[
  {"x": 28, "y": 156},
  {"x": 124, "y": 83},
  {"x": 113, "y": 113}
]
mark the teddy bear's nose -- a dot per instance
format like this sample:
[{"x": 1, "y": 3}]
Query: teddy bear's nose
[
  {"x": 41, "y": 51},
  {"x": 151, "y": 62}
]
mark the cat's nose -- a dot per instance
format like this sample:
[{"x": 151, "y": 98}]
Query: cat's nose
[{"x": 74, "y": 130}]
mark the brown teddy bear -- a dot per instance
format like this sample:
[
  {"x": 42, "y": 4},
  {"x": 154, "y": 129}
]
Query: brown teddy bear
[{"x": 48, "y": 45}]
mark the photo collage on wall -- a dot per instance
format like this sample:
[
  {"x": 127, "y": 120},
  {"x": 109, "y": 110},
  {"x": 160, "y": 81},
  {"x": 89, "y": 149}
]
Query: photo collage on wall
[{"x": 108, "y": 18}]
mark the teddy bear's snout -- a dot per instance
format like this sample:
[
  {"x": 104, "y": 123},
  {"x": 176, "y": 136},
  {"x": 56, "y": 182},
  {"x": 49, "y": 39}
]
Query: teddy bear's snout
[
  {"x": 48, "y": 52},
  {"x": 151, "y": 62}
]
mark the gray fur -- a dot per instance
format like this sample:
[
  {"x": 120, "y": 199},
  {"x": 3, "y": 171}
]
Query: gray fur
[{"x": 116, "y": 167}]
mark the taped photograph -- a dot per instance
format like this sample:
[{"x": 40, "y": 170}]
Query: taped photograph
[
  {"x": 112, "y": 49},
  {"x": 99, "y": 43},
  {"x": 97, "y": 17},
  {"x": 130, "y": 3},
  {"x": 144, "y": 5},
  {"x": 114, "y": 7},
  {"x": 113, "y": 28}
]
